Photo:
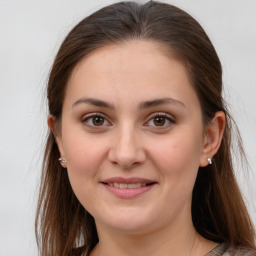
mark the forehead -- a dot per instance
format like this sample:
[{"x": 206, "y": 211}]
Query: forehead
[
  {"x": 127, "y": 57},
  {"x": 135, "y": 70}
]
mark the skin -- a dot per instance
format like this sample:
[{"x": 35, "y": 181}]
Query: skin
[{"x": 129, "y": 142}]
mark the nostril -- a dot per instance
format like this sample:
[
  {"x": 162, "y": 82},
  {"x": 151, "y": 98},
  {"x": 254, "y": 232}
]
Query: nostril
[{"x": 126, "y": 155}]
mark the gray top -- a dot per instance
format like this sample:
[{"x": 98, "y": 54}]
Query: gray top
[
  {"x": 224, "y": 250},
  {"x": 220, "y": 250}
]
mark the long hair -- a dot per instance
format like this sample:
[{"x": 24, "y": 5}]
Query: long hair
[{"x": 218, "y": 210}]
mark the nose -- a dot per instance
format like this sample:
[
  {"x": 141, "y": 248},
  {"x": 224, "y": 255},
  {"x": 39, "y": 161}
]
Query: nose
[{"x": 126, "y": 149}]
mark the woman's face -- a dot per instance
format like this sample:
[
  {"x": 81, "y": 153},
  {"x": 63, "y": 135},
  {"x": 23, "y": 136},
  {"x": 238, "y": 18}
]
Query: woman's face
[{"x": 132, "y": 136}]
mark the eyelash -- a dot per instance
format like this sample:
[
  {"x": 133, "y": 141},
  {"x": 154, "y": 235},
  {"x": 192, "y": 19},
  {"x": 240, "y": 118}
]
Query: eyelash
[
  {"x": 166, "y": 117},
  {"x": 88, "y": 120}
]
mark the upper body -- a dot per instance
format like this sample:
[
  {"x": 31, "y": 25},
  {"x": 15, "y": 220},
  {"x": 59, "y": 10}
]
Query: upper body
[
  {"x": 225, "y": 250},
  {"x": 138, "y": 159},
  {"x": 222, "y": 249}
]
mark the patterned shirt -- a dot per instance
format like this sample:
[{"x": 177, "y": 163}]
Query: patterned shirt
[{"x": 224, "y": 250}]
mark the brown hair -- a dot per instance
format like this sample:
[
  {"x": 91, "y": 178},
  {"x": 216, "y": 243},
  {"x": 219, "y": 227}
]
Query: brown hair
[{"x": 218, "y": 211}]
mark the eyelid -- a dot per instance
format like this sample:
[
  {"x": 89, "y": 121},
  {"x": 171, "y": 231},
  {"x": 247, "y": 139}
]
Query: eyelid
[
  {"x": 169, "y": 117},
  {"x": 95, "y": 114}
]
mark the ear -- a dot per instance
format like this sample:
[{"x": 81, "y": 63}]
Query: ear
[
  {"x": 51, "y": 121},
  {"x": 213, "y": 136}
]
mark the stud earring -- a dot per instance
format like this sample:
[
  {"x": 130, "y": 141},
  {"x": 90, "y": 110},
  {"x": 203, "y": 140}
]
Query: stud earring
[
  {"x": 62, "y": 160},
  {"x": 209, "y": 159}
]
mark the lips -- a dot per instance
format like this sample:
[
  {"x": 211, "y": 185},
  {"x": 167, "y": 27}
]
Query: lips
[
  {"x": 128, "y": 187},
  {"x": 124, "y": 185},
  {"x": 128, "y": 180}
]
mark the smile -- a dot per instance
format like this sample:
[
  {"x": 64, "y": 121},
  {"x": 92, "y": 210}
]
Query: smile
[
  {"x": 123, "y": 185},
  {"x": 128, "y": 188}
]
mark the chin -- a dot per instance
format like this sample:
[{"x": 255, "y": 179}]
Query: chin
[
  {"x": 128, "y": 221},
  {"x": 130, "y": 228}
]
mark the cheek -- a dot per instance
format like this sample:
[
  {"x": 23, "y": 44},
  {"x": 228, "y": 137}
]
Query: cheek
[
  {"x": 83, "y": 151},
  {"x": 83, "y": 164},
  {"x": 178, "y": 159},
  {"x": 84, "y": 155}
]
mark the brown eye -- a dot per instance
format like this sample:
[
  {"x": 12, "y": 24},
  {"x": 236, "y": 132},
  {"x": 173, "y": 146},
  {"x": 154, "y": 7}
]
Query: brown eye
[
  {"x": 95, "y": 121},
  {"x": 98, "y": 120},
  {"x": 159, "y": 120}
]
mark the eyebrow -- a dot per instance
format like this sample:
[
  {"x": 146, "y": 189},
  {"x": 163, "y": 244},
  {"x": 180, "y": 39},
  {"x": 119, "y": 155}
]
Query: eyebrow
[
  {"x": 143, "y": 105},
  {"x": 157, "y": 102},
  {"x": 94, "y": 102}
]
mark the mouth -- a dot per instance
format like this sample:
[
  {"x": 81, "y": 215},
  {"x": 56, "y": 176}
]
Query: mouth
[
  {"x": 129, "y": 185},
  {"x": 128, "y": 188}
]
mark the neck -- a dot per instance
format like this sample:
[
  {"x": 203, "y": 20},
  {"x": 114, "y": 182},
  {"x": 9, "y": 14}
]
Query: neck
[{"x": 181, "y": 239}]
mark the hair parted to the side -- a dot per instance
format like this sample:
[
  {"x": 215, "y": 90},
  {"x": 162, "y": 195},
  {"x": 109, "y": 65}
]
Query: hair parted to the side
[{"x": 218, "y": 211}]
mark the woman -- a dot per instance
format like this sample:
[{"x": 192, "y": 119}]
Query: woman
[{"x": 138, "y": 160}]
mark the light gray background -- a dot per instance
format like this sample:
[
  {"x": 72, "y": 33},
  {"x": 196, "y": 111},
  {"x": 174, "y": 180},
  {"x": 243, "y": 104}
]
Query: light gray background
[{"x": 30, "y": 33}]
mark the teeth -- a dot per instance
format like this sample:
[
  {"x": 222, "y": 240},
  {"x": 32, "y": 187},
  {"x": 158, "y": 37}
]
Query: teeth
[
  {"x": 131, "y": 185},
  {"x": 122, "y": 185}
]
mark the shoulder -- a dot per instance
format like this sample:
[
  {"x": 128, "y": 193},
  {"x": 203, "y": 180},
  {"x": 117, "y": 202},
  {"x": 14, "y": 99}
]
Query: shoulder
[
  {"x": 239, "y": 251},
  {"x": 225, "y": 250}
]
